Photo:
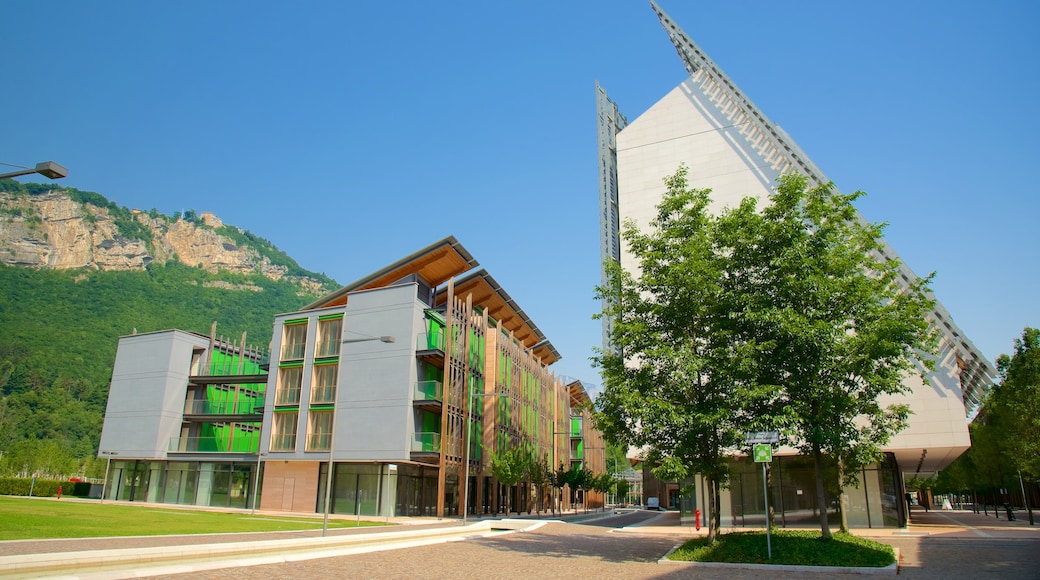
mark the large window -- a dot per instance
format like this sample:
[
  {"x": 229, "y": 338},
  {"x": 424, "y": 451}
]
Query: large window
[
  {"x": 324, "y": 388},
  {"x": 283, "y": 435},
  {"x": 294, "y": 341},
  {"x": 290, "y": 381},
  {"x": 329, "y": 332},
  {"x": 319, "y": 430}
]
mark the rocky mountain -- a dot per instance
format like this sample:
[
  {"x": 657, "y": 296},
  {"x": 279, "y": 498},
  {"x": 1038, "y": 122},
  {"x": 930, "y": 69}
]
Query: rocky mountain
[
  {"x": 78, "y": 271},
  {"x": 65, "y": 228}
]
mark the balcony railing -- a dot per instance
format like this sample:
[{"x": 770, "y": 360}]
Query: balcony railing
[
  {"x": 287, "y": 396},
  {"x": 327, "y": 349},
  {"x": 241, "y": 444},
  {"x": 426, "y": 443},
  {"x": 430, "y": 341},
  {"x": 285, "y": 442},
  {"x": 243, "y": 406},
  {"x": 318, "y": 441},
  {"x": 428, "y": 391},
  {"x": 322, "y": 395},
  {"x": 293, "y": 351}
]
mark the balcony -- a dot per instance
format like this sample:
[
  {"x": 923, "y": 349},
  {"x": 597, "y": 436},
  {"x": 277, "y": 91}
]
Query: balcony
[
  {"x": 287, "y": 397},
  {"x": 284, "y": 442},
  {"x": 429, "y": 347},
  {"x": 426, "y": 447},
  {"x": 318, "y": 441},
  {"x": 428, "y": 395},
  {"x": 244, "y": 443},
  {"x": 245, "y": 409},
  {"x": 293, "y": 351},
  {"x": 323, "y": 395}
]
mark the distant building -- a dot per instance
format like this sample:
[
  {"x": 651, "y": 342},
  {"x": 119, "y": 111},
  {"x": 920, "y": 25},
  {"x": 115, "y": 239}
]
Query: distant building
[
  {"x": 731, "y": 147},
  {"x": 392, "y": 376}
]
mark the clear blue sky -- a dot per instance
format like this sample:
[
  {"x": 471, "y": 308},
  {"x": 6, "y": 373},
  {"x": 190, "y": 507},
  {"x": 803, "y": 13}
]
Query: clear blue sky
[{"x": 351, "y": 134}]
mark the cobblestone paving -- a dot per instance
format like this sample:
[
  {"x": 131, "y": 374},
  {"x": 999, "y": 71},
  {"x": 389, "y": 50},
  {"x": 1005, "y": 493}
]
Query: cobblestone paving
[{"x": 566, "y": 551}]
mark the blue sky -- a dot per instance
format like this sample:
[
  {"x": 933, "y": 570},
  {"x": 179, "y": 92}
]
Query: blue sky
[{"x": 351, "y": 134}]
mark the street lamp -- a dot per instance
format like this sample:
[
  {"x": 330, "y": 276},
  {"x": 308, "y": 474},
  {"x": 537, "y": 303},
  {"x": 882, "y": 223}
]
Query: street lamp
[
  {"x": 552, "y": 448},
  {"x": 469, "y": 429},
  {"x": 48, "y": 169},
  {"x": 332, "y": 436},
  {"x": 108, "y": 464}
]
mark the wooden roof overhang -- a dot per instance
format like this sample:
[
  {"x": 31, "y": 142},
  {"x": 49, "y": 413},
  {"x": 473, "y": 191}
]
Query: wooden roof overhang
[
  {"x": 489, "y": 295},
  {"x": 578, "y": 394},
  {"x": 435, "y": 264}
]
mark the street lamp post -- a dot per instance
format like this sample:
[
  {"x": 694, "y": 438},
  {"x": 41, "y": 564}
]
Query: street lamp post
[
  {"x": 332, "y": 437},
  {"x": 108, "y": 463},
  {"x": 469, "y": 429},
  {"x": 48, "y": 169},
  {"x": 553, "y": 466}
]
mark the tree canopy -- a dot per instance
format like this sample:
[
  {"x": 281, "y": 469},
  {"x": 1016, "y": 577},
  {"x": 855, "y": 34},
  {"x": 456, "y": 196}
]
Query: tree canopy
[{"x": 784, "y": 317}]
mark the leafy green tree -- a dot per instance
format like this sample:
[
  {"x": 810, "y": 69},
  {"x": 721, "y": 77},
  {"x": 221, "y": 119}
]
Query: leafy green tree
[
  {"x": 673, "y": 380},
  {"x": 1016, "y": 403},
  {"x": 783, "y": 317},
  {"x": 511, "y": 466},
  {"x": 621, "y": 489},
  {"x": 843, "y": 330}
]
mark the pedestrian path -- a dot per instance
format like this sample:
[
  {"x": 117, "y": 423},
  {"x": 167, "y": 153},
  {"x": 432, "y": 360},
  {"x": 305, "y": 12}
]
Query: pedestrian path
[{"x": 100, "y": 557}]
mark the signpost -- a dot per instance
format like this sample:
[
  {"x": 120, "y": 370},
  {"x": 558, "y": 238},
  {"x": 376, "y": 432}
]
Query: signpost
[{"x": 762, "y": 451}]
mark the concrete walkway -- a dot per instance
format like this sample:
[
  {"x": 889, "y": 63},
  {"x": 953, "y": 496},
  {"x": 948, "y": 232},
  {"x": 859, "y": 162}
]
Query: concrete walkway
[{"x": 646, "y": 539}]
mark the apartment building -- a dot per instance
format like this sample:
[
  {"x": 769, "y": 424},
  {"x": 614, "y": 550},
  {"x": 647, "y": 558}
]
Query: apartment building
[{"x": 405, "y": 381}]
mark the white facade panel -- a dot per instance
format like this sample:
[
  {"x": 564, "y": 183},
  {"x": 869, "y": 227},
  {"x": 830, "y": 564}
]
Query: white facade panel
[{"x": 147, "y": 392}]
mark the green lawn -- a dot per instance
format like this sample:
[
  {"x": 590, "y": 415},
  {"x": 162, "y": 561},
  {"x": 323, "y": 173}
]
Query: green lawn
[
  {"x": 33, "y": 519},
  {"x": 790, "y": 547}
]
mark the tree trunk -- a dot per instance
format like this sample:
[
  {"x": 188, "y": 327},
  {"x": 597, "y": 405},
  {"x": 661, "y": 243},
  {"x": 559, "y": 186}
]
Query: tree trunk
[
  {"x": 821, "y": 494},
  {"x": 843, "y": 500},
  {"x": 713, "y": 519}
]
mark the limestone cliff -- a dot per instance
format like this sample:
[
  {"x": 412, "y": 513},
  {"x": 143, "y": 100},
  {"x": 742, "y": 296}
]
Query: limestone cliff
[{"x": 56, "y": 228}]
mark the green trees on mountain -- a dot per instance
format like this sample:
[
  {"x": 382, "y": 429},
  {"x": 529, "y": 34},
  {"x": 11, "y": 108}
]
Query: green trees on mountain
[{"x": 59, "y": 331}]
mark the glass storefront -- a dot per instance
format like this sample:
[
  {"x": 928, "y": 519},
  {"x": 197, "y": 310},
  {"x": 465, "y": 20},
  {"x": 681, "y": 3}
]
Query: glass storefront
[
  {"x": 182, "y": 482},
  {"x": 874, "y": 503}
]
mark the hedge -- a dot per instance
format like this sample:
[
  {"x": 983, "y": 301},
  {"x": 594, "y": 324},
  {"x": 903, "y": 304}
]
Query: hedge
[{"x": 42, "y": 487}]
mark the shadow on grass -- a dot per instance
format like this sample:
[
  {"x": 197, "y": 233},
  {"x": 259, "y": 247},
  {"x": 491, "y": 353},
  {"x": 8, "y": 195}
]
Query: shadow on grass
[{"x": 789, "y": 547}]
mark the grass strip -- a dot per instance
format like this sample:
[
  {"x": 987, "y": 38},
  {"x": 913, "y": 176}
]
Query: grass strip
[
  {"x": 790, "y": 548},
  {"x": 37, "y": 519}
]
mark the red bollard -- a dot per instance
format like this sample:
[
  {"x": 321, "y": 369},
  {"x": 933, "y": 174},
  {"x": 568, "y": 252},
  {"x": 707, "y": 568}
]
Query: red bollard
[
  {"x": 59, "y": 492},
  {"x": 697, "y": 518}
]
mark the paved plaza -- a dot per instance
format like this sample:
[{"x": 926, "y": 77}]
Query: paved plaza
[{"x": 947, "y": 545}]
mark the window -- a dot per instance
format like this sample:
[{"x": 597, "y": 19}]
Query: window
[
  {"x": 319, "y": 430},
  {"x": 329, "y": 332},
  {"x": 294, "y": 341},
  {"x": 290, "y": 380},
  {"x": 324, "y": 389},
  {"x": 283, "y": 436}
]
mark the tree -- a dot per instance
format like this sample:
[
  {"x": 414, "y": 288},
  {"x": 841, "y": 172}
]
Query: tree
[
  {"x": 672, "y": 382},
  {"x": 1015, "y": 403},
  {"x": 621, "y": 488},
  {"x": 842, "y": 327},
  {"x": 511, "y": 466},
  {"x": 785, "y": 317}
]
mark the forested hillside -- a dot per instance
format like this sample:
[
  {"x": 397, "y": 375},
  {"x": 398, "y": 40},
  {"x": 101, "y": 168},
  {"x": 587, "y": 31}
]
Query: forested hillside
[{"x": 59, "y": 330}]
